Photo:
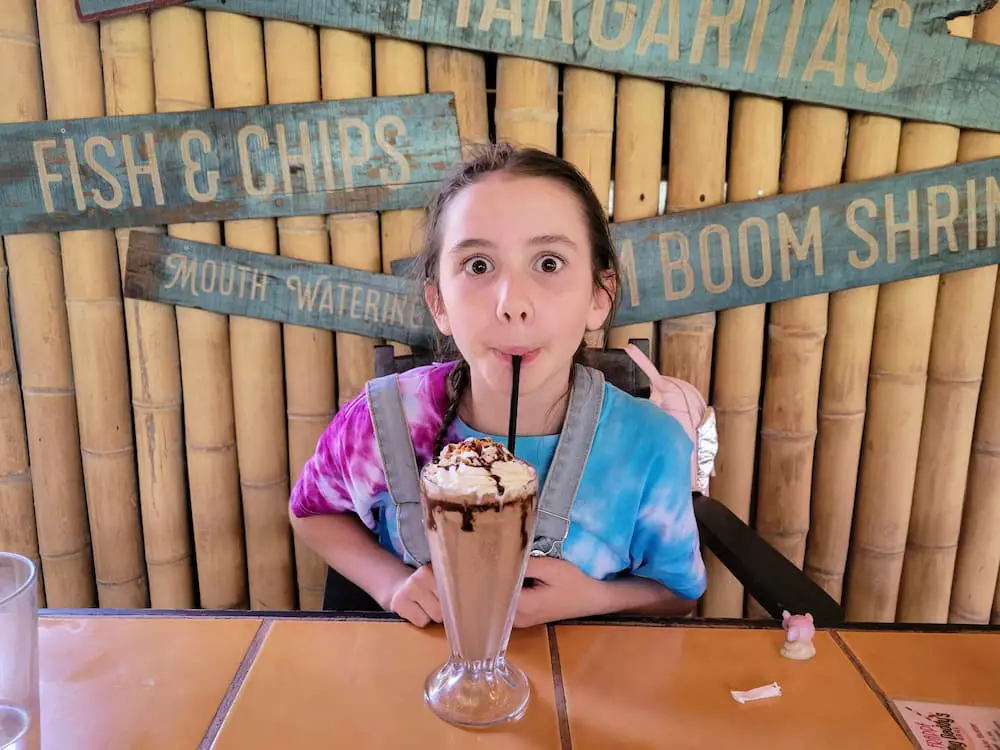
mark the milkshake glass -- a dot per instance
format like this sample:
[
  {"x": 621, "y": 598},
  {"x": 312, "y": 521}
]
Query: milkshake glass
[{"x": 479, "y": 508}]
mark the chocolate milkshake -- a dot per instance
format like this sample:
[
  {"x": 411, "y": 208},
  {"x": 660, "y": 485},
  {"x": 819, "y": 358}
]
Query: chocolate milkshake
[{"x": 479, "y": 505}]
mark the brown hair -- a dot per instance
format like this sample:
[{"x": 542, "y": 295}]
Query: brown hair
[{"x": 525, "y": 162}]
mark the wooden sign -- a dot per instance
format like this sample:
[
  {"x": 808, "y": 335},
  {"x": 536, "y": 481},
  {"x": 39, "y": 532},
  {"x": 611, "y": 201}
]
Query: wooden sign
[
  {"x": 92, "y": 10},
  {"x": 251, "y": 162},
  {"x": 891, "y": 57},
  {"x": 272, "y": 287},
  {"x": 798, "y": 244},
  {"x": 793, "y": 245}
]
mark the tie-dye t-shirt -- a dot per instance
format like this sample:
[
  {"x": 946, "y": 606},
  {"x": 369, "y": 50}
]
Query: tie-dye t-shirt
[{"x": 632, "y": 513}]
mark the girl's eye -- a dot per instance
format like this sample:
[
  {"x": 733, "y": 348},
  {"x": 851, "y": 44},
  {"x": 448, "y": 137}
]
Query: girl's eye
[
  {"x": 550, "y": 263},
  {"x": 478, "y": 266}
]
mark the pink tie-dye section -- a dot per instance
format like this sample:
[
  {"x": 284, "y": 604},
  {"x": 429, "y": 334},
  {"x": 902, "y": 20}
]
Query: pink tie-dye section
[{"x": 345, "y": 473}]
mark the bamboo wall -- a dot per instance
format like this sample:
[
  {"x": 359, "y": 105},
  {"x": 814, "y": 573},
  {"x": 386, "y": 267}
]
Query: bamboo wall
[{"x": 148, "y": 451}]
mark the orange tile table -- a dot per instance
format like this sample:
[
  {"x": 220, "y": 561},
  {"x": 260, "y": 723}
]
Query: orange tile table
[
  {"x": 319, "y": 684},
  {"x": 956, "y": 668},
  {"x": 242, "y": 681},
  {"x": 136, "y": 683},
  {"x": 942, "y": 667},
  {"x": 634, "y": 688}
]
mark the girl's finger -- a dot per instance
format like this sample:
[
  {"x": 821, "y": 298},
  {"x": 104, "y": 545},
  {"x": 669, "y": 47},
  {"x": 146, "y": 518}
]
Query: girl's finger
[
  {"x": 542, "y": 569},
  {"x": 428, "y": 601},
  {"x": 412, "y": 611},
  {"x": 527, "y": 606}
]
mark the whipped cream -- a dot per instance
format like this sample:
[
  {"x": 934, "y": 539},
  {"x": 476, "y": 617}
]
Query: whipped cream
[{"x": 480, "y": 467}]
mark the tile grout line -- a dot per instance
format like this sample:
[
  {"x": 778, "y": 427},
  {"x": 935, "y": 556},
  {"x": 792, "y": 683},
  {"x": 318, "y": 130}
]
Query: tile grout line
[
  {"x": 562, "y": 712},
  {"x": 873, "y": 686},
  {"x": 235, "y": 685}
]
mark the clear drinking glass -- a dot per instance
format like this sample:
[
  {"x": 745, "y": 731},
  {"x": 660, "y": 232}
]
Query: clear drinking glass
[
  {"x": 479, "y": 552},
  {"x": 19, "y": 715}
]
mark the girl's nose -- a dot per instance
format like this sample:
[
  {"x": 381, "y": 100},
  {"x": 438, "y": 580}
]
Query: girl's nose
[{"x": 514, "y": 305}]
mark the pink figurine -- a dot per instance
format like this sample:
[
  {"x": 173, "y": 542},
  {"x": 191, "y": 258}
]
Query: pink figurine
[{"x": 799, "y": 632}]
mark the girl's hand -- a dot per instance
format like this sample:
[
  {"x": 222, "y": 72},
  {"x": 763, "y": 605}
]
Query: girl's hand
[
  {"x": 416, "y": 599},
  {"x": 561, "y": 591}
]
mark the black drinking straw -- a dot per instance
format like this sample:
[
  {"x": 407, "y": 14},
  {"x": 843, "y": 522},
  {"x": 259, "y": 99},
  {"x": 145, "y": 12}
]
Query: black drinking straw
[{"x": 512, "y": 424}]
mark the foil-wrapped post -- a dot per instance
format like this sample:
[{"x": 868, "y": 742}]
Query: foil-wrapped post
[{"x": 707, "y": 447}]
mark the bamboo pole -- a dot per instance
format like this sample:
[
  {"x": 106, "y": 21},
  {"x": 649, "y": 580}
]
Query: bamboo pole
[
  {"x": 955, "y": 370},
  {"x": 696, "y": 178},
  {"x": 354, "y": 243},
  {"x": 400, "y": 69},
  {"x": 236, "y": 55},
  {"x": 293, "y": 75},
  {"x": 462, "y": 73},
  {"x": 588, "y": 129},
  {"x": 18, "y": 532},
  {"x": 904, "y": 322},
  {"x": 638, "y": 170},
  {"x": 588, "y": 126},
  {"x": 527, "y": 103},
  {"x": 154, "y": 360},
  {"x": 872, "y": 147},
  {"x": 71, "y": 66},
  {"x": 346, "y": 61},
  {"x": 978, "y": 557},
  {"x": 47, "y": 388},
  {"x": 814, "y": 155},
  {"x": 754, "y": 166},
  {"x": 181, "y": 75}
]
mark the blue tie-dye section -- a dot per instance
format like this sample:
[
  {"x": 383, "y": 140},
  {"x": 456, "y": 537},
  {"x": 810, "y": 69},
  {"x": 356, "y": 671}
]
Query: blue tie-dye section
[{"x": 633, "y": 510}]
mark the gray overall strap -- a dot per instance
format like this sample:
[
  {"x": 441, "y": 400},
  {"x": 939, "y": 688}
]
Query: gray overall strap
[
  {"x": 392, "y": 435},
  {"x": 557, "y": 496}
]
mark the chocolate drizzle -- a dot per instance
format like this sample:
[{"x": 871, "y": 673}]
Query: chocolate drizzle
[
  {"x": 525, "y": 504},
  {"x": 480, "y": 453}
]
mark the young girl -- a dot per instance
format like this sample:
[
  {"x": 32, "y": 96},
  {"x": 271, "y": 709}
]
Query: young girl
[{"x": 517, "y": 259}]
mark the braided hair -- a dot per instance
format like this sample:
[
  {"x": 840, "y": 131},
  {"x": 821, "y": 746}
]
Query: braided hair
[{"x": 458, "y": 379}]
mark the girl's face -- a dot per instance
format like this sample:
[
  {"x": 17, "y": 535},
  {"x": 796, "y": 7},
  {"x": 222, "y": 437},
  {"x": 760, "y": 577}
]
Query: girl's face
[{"x": 516, "y": 277}]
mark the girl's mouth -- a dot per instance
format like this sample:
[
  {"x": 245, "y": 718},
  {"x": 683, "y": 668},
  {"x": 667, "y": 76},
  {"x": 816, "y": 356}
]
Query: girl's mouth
[{"x": 527, "y": 355}]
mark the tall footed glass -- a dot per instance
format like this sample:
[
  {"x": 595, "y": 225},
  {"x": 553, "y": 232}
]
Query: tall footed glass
[
  {"x": 19, "y": 704},
  {"x": 479, "y": 525}
]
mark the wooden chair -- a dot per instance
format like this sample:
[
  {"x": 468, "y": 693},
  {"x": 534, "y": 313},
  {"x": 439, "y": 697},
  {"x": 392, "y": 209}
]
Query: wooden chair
[{"x": 767, "y": 575}]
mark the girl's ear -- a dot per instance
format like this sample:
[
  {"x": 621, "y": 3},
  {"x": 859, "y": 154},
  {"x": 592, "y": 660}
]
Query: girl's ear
[
  {"x": 602, "y": 301},
  {"x": 436, "y": 306}
]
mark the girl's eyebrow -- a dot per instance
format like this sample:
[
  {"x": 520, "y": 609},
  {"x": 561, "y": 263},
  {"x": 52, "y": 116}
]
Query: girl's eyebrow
[
  {"x": 478, "y": 243},
  {"x": 471, "y": 243},
  {"x": 552, "y": 239}
]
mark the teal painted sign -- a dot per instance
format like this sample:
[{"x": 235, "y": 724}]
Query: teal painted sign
[
  {"x": 92, "y": 10},
  {"x": 272, "y": 287},
  {"x": 890, "y": 57},
  {"x": 217, "y": 164},
  {"x": 798, "y": 244},
  {"x": 791, "y": 245}
]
